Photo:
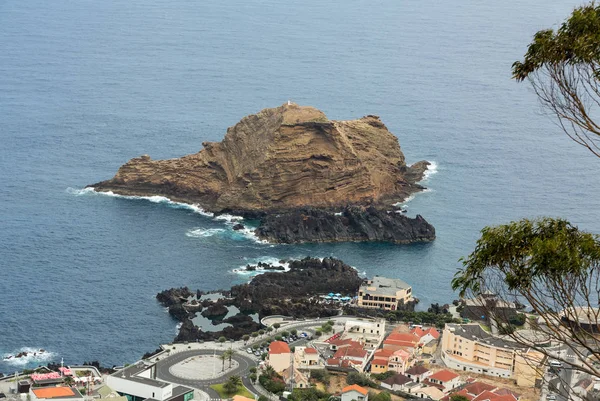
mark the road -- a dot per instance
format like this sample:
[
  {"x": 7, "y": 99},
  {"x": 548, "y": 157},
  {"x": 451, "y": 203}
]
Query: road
[{"x": 163, "y": 371}]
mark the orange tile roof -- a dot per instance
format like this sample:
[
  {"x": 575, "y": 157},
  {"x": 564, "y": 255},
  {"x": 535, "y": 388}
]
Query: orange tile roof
[
  {"x": 310, "y": 351},
  {"x": 53, "y": 392},
  {"x": 443, "y": 376},
  {"x": 384, "y": 353},
  {"x": 380, "y": 361},
  {"x": 279, "y": 347},
  {"x": 487, "y": 396},
  {"x": 354, "y": 387}
]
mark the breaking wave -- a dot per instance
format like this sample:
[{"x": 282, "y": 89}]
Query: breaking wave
[
  {"x": 259, "y": 270},
  {"x": 431, "y": 170},
  {"x": 29, "y": 356}
]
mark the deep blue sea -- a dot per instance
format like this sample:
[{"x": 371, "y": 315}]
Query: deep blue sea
[{"x": 86, "y": 85}]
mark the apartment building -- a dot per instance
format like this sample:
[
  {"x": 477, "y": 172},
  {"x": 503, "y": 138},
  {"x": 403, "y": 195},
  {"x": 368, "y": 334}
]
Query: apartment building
[{"x": 384, "y": 293}]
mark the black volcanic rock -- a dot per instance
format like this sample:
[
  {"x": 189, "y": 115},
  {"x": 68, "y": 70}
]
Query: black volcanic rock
[
  {"x": 174, "y": 296},
  {"x": 215, "y": 310},
  {"x": 353, "y": 224}
]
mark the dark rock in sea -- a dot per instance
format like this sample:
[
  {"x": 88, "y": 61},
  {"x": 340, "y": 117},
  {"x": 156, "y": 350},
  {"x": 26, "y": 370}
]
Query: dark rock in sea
[
  {"x": 288, "y": 293},
  {"x": 238, "y": 226},
  {"x": 151, "y": 353},
  {"x": 215, "y": 310},
  {"x": 174, "y": 296},
  {"x": 189, "y": 332},
  {"x": 353, "y": 224},
  {"x": 250, "y": 268},
  {"x": 178, "y": 312}
]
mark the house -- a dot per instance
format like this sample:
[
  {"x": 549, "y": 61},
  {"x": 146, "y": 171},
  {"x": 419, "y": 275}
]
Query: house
[
  {"x": 354, "y": 393},
  {"x": 400, "y": 361},
  {"x": 433, "y": 393},
  {"x": 417, "y": 373},
  {"x": 384, "y": 293},
  {"x": 477, "y": 391},
  {"x": 462, "y": 392},
  {"x": 368, "y": 332},
  {"x": 279, "y": 356},
  {"x": 406, "y": 341},
  {"x": 444, "y": 379},
  {"x": 336, "y": 344},
  {"x": 397, "y": 382},
  {"x": 300, "y": 379},
  {"x": 381, "y": 360},
  {"x": 306, "y": 357},
  {"x": 426, "y": 334},
  {"x": 350, "y": 357},
  {"x": 430, "y": 347}
]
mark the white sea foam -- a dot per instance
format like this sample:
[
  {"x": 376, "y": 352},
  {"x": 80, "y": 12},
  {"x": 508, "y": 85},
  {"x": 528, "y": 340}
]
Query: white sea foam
[
  {"x": 154, "y": 199},
  {"x": 178, "y": 327},
  {"x": 204, "y": 232},
  {"x": 34, "y": 357},
  {"x": 431, "y": 170},
  {"x": 229, "y": 218},
  {"x": 259, "y": 270}
]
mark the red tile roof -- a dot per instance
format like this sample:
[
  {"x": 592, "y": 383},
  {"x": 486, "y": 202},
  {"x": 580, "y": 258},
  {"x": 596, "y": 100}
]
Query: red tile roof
[
  {"x": 346, "y": 343},
  {"x": 477, "y": 388},
  {"x": 350, "y": 352},
  {"x": 402, "y": 339},
  {"x": 443, "y": 376},
  {"x": 310, "y": 351},
  {"x": 355, "y": 387},
  {"x": 384, "y": 353},
  {"x": 506, "y": 391},
  {"x": 279, "y": 347},
  {"x": 487, "y": 396},
  {"x": 462, "y": 392},
  {"x": 398, "y": 379},
  {"x": 423, "y": 332}
]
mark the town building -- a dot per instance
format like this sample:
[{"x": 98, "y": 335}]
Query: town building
[
  {"x": 480, "y": 308},
  {"x": 279, "y": 356},
  {"x": 384, "y": 293},
  {"x": 300, "y": 380},
  {"x": 307, "y": 358},
  {"x": 444, "y": 379},
  {"x": 369, "y": 332},
  {"x": 397, "y": 382},
  {"x": 418, "y": 373},
  {"x": 354, "y": 393},
  {"x": 582, "y": 318},
  {"x": 469, "y": 348},
  {"x": 138, "y": 382}
]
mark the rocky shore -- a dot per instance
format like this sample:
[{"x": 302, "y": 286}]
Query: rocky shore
[
  {"x": 352, "y": 224},
  {"x": 286, "y": 163},
  {"x": 292, "y": 293}
]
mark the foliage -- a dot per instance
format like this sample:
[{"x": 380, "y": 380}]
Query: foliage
[
  {"x": 318, "y": 333},
  {"x": 458, "y": 397},
  {"x": 276, "y": 326},
  {"x": 262, "y": 398},
  {"x": 360, "y": 379},
  {"x": 220, "y": 388},
  {"x": 246, "y": 337},
  {"x": 518, "y": 319},
  {"x": 232, "y": 384},
  {"x": 320, "y": 375},
  {"x": 436, "y": 319},
  {"x": 383, "y": 376},
  {"x": 549, "y": 264},
  {"x": 563, "y": 67},
  {"x": 294, "y": 332},
  {"x": 222, "y": 339},
  {"x": 309, "y": 394},
  {"x": 272, "y": 383},
  {"x": 382, "y": 396}
]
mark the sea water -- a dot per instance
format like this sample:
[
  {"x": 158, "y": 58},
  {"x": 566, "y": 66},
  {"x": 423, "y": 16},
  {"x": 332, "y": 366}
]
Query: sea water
[{"x": 86, "y": 85}]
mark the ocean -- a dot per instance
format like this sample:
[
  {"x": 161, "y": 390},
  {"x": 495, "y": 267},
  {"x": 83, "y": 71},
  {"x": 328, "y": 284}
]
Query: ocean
[{"x": 87, "y": 85}]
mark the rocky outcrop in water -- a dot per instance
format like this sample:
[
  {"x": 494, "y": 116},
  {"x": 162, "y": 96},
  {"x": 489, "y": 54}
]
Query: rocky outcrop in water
[
  {"x": 352, "y": 224},
  {"x": 279, "y": 159}
]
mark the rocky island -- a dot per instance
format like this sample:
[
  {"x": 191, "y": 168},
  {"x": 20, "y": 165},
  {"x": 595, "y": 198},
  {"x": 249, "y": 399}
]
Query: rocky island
[
  {"x": 307, "y": 178},
  {"x": 292, "y": 293}
]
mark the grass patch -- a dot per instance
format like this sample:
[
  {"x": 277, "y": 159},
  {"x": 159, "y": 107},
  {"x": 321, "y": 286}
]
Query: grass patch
[{"x": 223, "y": 394}]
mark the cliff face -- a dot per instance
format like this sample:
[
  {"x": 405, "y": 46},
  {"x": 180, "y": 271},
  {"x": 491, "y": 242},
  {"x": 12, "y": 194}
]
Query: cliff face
[{"x": 280, "y": 159}]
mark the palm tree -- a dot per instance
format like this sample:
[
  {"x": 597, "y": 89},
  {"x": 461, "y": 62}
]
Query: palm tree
[
  {"x": 230, "y": 353},
  {"x": 232, "y": 384},
  {"x": 269, "y": 371},
  {"x": 223, "y": 358}
]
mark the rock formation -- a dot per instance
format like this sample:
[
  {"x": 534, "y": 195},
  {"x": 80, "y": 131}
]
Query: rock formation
[
  {"x": 280, "y": 159},
  {"x": 352, "y": 224}
]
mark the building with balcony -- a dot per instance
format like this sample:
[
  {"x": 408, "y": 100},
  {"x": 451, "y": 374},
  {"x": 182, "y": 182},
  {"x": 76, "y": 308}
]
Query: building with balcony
[
  {"x": 469, "y": 348},
  {"x": 384, "y": 293}
]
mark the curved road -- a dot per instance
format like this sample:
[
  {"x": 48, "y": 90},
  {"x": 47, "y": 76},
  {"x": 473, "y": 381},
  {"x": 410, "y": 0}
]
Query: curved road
[{"x": 163, "y": 372}]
